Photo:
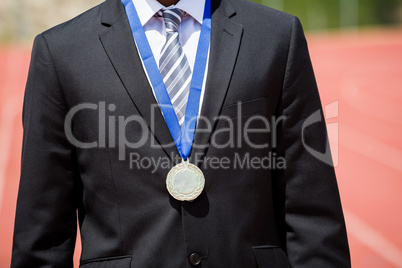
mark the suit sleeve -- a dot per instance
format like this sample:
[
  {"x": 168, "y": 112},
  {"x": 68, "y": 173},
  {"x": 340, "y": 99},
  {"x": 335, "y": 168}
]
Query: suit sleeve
[
  {"x": 45, "y": 224},
  {"x": 307, "y": 199}
]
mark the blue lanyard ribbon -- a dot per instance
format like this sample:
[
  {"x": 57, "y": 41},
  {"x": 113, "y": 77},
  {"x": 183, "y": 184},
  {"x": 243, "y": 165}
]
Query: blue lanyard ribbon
[{"x": 183, "y": 137}]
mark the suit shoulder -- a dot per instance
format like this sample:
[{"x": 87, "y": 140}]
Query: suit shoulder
[
  {"x": 259, "y": 9},
  {"x": 257, "y": 14},
  {"x": 82, "y": 24}
]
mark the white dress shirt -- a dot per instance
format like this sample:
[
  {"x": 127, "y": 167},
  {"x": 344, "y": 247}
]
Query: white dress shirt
[{"x": 189, "y": 29}]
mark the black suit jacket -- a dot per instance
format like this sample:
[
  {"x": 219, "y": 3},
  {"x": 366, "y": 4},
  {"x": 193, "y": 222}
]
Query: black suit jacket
[{"x": 247, "y": 216}]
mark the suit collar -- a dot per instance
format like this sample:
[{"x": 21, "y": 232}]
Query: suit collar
[
  {"x": 112, "y": 10},
  {"x": 226, "y": 37},
  {"x": 119, "y": 45},
  {"x": 224, "y": 7}
]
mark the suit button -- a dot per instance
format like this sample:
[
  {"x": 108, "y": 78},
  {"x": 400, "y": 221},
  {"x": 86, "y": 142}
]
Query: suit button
[{"x": 195, "y": 259}]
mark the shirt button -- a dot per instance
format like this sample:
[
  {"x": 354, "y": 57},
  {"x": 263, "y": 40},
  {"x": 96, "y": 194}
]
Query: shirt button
[{"x": 195, "y": 259}]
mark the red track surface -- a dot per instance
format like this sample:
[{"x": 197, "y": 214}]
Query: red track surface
[{"x": 360, "y": 78}]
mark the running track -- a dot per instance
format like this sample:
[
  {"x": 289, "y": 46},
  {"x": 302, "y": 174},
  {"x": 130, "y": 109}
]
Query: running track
[{"x": 360, "y": 78}]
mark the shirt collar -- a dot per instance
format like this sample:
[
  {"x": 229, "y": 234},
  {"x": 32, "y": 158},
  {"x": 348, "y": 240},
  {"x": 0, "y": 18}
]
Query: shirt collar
[
  {"x": 193, "y": 7},
  {"x": 146, "y": 9}
]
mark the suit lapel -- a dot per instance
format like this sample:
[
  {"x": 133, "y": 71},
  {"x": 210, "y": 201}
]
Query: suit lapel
[
  {"x": 119, "y": 45},
  {"x": 225, "y": 43}
]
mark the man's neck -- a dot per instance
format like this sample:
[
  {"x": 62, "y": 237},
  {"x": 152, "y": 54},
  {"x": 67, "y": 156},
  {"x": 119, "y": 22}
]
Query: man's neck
[{"x": 168, "y": 3}]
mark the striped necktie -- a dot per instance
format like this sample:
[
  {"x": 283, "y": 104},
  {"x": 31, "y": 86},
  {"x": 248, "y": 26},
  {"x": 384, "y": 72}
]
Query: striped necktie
[{"x": 173, "y": 64}]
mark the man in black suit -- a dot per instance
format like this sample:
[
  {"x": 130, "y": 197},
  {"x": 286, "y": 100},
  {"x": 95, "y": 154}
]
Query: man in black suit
[{"x": 96, "y": 141}]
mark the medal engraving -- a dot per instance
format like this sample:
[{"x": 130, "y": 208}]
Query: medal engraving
[{"x": 185, "y": 181}]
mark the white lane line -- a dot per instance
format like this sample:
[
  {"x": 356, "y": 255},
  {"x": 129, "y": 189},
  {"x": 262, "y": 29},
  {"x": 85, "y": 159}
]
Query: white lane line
[
  {"x": 370, "y": 147},
  {"x": 373, "y": 239},
  {"x": 9, "y": 111},
  {"x": 351, "y": 40},
  {"x": 370, "y": 104}
]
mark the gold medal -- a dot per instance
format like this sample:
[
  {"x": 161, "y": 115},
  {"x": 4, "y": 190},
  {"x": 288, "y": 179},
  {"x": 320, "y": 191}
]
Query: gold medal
[{"x": 185, "y": 181}]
